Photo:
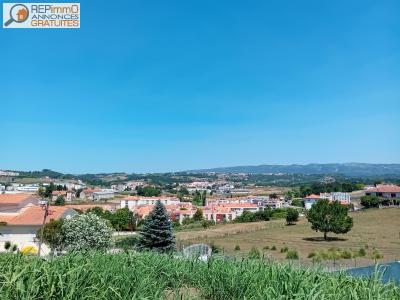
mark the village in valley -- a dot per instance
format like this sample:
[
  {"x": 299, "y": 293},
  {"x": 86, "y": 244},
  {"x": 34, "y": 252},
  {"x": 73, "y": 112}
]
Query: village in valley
[{"x": 236, "y": 214}]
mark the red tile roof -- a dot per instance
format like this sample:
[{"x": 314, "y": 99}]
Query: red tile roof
[
  {"x": 384, "y": 188},
  {"x": 33, "y": 215},
  {"x": 313, "y": 196},
  {"x": 12, "y": 199},
  {"x": 85, "y": 207}
]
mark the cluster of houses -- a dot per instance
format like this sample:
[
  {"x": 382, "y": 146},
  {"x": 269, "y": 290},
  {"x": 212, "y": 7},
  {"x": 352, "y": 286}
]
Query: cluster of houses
[
  {"x": 386, "y": 191},
  {"x": 216, "y": 209},
  {"x": 343, "y": 198},
  {"x": 21, "y": 216},
  {"x": 21, "y": 213}
]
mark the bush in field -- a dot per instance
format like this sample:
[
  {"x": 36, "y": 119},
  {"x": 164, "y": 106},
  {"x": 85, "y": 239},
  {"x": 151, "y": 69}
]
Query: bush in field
[
  {"x": 362, "y": 252},
  {"x": 254, "y": 253},
  {"x": 329, "y": 217},
  {"x": 237, "y": 248},
  {"x": 273, "y": 248},
  {"x": 292, "y": 254},
  {"x": 284, "y": 249},
  {"x": 87, "y": 232},
  {"x": 206, "y": 224},
  {"x": 292, "y": 216},
  {"x": 376, "y": 255},
  {"x": 370, "y": 201},
  {"x": 247, "y": 216},
  {"x": 156, "y": 233}
]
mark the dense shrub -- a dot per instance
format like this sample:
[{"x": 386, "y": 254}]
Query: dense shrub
[
  {"x": 370, "y": 201},
  {"x": 254, "y": 253},
  {"x": 86, "y": 232},
  {"x": 292, "y": 254}
]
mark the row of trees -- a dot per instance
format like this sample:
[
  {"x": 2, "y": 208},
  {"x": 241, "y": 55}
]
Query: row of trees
[
  {"x": 316, "y": 188},
  {"x": 374, "y": 201}
]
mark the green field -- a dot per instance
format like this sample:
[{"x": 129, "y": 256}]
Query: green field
[
  {"x": 152, "y": 276},
  {"x": 373, "y": 228}
]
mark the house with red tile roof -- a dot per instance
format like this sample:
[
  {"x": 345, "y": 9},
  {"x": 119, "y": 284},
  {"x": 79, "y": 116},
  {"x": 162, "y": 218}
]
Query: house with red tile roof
[
  {"x": 12, "y": 203},
  {"x": 384, "y": 190},
  {"x": 176, "y": 212},
  {"x": 19, "y": 226},
  {"x": 68, "y": 195}
]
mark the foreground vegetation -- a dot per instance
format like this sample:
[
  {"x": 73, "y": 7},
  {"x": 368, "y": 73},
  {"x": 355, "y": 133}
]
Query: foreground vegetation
[{"x": 156, "y": 276}]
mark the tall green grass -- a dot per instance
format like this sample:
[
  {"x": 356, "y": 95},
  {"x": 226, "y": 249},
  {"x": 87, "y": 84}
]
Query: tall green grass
[{"x": 154, "y": 276}]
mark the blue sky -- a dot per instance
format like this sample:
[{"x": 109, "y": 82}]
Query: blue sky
[{"x": 152, "y": 86}]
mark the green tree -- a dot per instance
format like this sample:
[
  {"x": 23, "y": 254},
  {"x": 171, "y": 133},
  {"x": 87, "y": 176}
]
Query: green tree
[
  {"x": 148, "y": 191},
  {"x": 329, "y": 217},
  {"x": 198, "y": 215},
  {"x": 156, "y": 233},
  {"x": 273, "y": 196},
  {"x": 49, "y": 190},
  {"x": 98, "y": 211},
  {"x": 123, "y": 219},
  {"x": 297, "y": 202},
  {"x": 292, "y": 216},
  {"x": 370, "y": 201},
  {"x": 52, "y": 234},
  {"x": 60, "y": 201}
]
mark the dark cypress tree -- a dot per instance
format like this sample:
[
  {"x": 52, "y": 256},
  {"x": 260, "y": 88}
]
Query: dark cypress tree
[{"x": 156, "y": 233}]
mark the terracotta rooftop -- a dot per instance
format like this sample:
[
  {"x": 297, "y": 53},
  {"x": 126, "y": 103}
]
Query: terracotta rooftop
[
  {"x": 33, "y": 215},
  {"x": 384, "y": 188},
  {"x": 313, "y": 196},
  {"x": 85, "y": 207},
  {"x": 12, "y": 199},
  {"x": 137, "y": 198}
]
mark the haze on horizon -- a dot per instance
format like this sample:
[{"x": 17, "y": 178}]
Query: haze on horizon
[{"x": 179, "y": 86}]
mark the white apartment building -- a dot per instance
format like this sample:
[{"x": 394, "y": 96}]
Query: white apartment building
[{"x": 132, "y": 202}]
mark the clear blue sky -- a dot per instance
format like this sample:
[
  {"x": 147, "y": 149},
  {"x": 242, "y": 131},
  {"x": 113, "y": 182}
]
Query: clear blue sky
[{"x": 148, "y": 86}]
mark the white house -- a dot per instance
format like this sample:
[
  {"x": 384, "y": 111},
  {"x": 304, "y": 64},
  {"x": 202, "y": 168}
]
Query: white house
[
  {"x": 132, "y": 202},
  {"x": 21, "y": 218},
  {"x": 103, "y": 195}
]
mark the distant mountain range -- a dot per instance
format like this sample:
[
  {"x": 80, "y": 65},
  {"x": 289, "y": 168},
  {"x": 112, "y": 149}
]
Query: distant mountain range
[{"x": 349, "y": 169}]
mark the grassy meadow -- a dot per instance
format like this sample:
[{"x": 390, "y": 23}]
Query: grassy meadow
[
  {"x": 373, "y": 229},
  {"x": 153, "y": 276}
]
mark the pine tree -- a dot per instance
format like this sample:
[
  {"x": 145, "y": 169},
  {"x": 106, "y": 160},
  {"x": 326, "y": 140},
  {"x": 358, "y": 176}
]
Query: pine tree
[{"x": 156, "y": 233}]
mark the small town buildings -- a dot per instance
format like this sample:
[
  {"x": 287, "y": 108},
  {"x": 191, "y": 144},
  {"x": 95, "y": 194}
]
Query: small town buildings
[
  {"x": 343, "y": 198},
  {"x": 96, "y": 194},
  {"x": 12, "y": 203},
  {"x": 228, "y": 211},
  {"x": 28, "y": 188},
  {"x": 103, "y": 195},
  {"x": 85, "y": 207},
  {"x": 310, "y": 200},
  {"x": 68, "y": 195},
  {"x": 87, "y": 194},
  {"x": 384, "y": 190},
  {"x": 177, "y": 212},
  {"x": 21, "y": 218},
  {"x": 134, "y": 201}
]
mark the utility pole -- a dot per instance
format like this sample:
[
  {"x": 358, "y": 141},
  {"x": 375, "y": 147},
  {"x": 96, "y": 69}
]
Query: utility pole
[{"x": 45, "y": 207}]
